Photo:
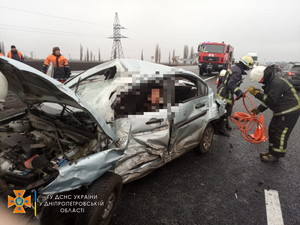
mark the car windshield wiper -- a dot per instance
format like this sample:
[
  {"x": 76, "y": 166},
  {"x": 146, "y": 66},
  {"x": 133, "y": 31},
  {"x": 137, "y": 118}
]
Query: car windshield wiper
[{"x": 77, "y": 85}]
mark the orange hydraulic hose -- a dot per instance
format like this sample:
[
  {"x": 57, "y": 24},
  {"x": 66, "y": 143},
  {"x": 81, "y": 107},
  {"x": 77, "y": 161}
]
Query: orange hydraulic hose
[{"x": 246, "y": 122}]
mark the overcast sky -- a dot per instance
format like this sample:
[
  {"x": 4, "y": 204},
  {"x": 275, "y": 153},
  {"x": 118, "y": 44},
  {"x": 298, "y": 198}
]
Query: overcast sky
[{"x": 269, "y": 27}]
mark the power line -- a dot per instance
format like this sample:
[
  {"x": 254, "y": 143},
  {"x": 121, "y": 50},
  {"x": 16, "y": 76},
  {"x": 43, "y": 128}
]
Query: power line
[
  {"x": 56, "y": 31},
  {"x": 33, "y": 31},
  {"x": 90, "y": 6},
  {"x": 58, "y": 17}
]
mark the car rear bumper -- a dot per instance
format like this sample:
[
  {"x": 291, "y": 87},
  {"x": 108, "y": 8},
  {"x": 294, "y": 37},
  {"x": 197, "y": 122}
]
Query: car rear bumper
[{"x": 294, "y": 81}]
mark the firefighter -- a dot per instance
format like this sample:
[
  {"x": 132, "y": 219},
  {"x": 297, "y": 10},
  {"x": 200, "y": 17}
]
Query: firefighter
[
  {"x": 61, "y": 67},
  {"x": 14, "y": 54},
  {"x": 228, "y": 86},
  {"x": 281, "y": 97}
]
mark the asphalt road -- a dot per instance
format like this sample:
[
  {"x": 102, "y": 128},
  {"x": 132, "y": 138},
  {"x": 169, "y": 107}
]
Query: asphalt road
[{"x": 224, "y": 186}]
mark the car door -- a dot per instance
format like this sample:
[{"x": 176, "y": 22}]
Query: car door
[
  {"x": 147, "y": 117},
  {"x": 191, "y": 106}
]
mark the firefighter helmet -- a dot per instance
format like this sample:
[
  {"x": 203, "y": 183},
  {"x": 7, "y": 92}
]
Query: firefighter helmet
[
  {"x": 222, "y": 73},
  {"x": 257, "y": 73},
  {"x": 247, "y": 61}
]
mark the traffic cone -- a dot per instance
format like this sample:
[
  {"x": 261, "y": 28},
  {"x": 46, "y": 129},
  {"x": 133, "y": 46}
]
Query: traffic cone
[
  {"x": 259, "y": 132},
  {"x": 217, "y": 81}
]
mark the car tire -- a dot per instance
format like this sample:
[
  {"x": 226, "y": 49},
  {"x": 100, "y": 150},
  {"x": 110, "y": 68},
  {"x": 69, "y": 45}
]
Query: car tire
[
  {"x": 206, "y": 140},
  {"x": 108, "y": 189}
]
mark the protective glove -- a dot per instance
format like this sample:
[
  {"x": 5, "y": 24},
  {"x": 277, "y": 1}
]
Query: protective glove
[
  {"x": 240, "y": 95},
  {"x": 255, "y": 111},
  {"x": 253, "y": 91}
]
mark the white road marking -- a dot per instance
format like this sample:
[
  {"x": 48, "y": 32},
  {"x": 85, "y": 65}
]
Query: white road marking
[
  {"x": 209, "y": 78},
  {"x": 274, "y": 214}
]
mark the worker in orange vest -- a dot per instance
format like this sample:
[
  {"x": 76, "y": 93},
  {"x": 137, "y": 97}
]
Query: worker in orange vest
[
  {"x": 14, "y": 54},
  {"x": 61, "y": 66}
]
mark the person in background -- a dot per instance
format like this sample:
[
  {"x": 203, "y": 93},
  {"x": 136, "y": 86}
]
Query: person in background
[
  {"x": 1, "y": 53},
  {"x": 281, "y": 97},
  {"x": 61, "y": 67},
  {"x": 15, "y": 54}
]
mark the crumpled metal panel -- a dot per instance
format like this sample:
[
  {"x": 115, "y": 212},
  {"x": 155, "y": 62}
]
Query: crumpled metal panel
[
  {"x": 33, "y": 86},
  {"x": 145, "y": 151},
  {"x": 83, "y": 172}
]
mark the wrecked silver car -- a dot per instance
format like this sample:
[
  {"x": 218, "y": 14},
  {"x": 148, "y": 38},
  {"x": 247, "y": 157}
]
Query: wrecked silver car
[{"x": 109, "y": 125}]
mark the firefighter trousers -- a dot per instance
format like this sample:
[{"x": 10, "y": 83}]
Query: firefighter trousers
[
  {"x": 280, "y": 129},
  {"x": 228, "y": 108}
]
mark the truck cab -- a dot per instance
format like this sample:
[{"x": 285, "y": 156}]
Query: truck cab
[
  {"x": 255, "y": 58},
  {"x": 214, "y": 57}
]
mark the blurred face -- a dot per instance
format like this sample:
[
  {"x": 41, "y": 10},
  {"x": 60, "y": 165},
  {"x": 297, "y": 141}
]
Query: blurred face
[
  {"x": 57, "y": 52},
  {"x": 13, "y": 49},
  {"x": 155, "y": 96}
]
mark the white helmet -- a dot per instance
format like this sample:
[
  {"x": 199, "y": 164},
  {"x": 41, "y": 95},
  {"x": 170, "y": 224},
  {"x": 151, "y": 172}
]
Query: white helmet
[
  {"x": 257, "y": 73},
  {"x": 222, "y": 73}
]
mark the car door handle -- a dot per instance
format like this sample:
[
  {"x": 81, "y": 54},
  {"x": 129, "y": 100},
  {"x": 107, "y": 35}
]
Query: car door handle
[
  {"x": 199, "y": 105},
  {"x": 154, "y": 120}
]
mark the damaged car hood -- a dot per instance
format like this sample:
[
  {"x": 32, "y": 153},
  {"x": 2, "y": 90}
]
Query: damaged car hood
[{"x": 33, "y": 86}]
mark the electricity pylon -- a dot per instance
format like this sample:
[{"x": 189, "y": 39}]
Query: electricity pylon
[{"x": 117, "y": 51}]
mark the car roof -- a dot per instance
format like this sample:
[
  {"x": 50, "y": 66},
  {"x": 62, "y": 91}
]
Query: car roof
[{"x": 137, "y": 68}]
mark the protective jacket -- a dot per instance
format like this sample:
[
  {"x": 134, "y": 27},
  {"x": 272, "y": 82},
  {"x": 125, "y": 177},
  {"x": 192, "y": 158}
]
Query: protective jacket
[
  {"x": 15, "y": 55},
  {"x": 1, "y": 54},
  {"x": 279, "y": 95},
  {"x": 60, "y": 65},
  {"x": 230, "y": 82}
]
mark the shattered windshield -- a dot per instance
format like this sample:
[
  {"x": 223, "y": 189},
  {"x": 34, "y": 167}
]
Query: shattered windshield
[{"x": 97, "y": 93}]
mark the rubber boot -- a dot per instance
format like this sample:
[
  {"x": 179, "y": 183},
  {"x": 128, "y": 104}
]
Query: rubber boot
[
  {"x": 266, "y": 153},
  {"x": 263, "y": 154},
  {"x": 269, "y": 158},
  {"x": 223, "y": 130},
  {"x": 228, "y": 127}
]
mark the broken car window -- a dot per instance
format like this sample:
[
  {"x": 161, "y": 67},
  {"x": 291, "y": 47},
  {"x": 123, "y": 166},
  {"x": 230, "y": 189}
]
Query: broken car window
[{"x": 185, "y": 89}]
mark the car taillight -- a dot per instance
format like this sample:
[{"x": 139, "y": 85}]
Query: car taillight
[{"x": 290, "y": 73}]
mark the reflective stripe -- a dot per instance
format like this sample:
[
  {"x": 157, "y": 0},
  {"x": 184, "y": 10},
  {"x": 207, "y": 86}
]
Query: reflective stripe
[
  {"x": 264, "y": 105},
  {"x": 279, "y": 150},
  {"x": 282, "y": 138},
  {"x": 220, "y": 90},
  {"x": 227, "y": 75},
  {"x": 222, "y": 98},
  {"x": 292, "y": 89},
  {"x": 265, "y": 98},
  {"x": 288, "y": 111},
  {"x": 237, "y": 88},
  {"x": 295, "y": 95}
]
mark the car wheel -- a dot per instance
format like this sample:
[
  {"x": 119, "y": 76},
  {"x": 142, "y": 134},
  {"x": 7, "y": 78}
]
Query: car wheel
[
  {"x": 108, "y": 190},
  {"x": 206, "y": 140}
]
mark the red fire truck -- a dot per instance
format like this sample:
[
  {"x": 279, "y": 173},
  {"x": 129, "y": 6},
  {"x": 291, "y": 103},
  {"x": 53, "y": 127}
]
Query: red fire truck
[{"x": 214, "y": 57}]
